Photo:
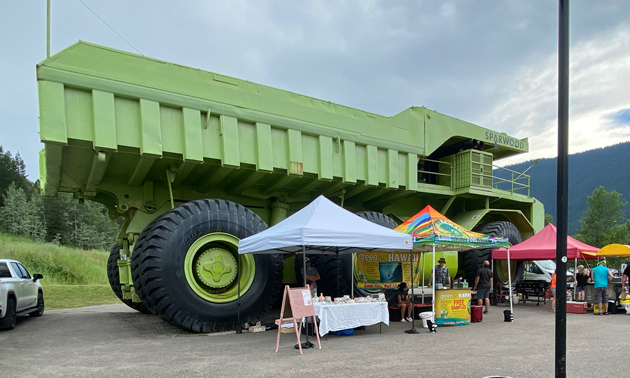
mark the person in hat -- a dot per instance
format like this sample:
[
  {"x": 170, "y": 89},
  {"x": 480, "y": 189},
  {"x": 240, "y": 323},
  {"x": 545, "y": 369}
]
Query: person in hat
[
  {"x": 601, "y": 274},
  {"x": 404, "y": 302},
  {"x": 312, "y": 276},
  {"x": 441, "y": 273},
  {"x": 582, "y": 280}
]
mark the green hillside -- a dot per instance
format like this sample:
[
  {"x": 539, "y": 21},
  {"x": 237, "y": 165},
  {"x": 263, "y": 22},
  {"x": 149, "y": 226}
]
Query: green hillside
[
  {"x": 587, "y": 170},
  {"x": 72, "y": 277},
  {"x": 59, "y": 265}
]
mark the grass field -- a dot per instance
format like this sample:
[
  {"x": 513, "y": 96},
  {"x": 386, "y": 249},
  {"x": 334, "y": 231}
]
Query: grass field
[
  {"x": 70, "y": 296},
  {"x": 59, "y": 265},
  {"x": 72, "y": 277}
]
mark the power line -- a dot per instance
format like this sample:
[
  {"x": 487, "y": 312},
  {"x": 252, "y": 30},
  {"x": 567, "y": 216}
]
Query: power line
[{"x": 112, "y": 29}]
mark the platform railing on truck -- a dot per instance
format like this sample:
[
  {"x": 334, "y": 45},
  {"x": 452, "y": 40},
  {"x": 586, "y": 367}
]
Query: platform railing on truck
[
  {"x": 517, "y": 182},
  {"x": 435, "y": 172}
]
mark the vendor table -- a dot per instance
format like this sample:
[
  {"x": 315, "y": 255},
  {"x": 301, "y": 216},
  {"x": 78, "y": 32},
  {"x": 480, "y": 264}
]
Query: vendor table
[
  {"x": 337, "y": 317},
  {"x": 532, "y": 288},
  {"x": 452, "y": 306},
  {"x": 614, "y": 289}
]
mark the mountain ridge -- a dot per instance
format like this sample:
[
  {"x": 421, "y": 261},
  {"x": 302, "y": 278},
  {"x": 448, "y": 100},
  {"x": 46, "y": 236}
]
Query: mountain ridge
[{"x": 606, "y": 166}]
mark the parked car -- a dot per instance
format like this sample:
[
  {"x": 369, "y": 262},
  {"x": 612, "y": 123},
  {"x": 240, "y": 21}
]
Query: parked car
[
  {"x": 20, "y": 293},
  {"x": 542, "y": 270}
]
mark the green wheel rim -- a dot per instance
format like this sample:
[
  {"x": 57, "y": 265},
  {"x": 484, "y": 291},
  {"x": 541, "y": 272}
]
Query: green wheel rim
[
  {"x": 501, "y": 267},
  {"x": 211, "y": 268}
]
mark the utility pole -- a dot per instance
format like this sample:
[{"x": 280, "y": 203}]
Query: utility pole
[
  {"x": 563, "y": 190},
  {"x": 47, "y": 29}
]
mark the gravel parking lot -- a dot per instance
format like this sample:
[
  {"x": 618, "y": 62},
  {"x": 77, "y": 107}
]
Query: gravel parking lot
[{"x": 112, "y": 340}]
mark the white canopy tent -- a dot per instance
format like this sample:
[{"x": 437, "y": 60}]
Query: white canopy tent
[{"x": 322, "y": 227}]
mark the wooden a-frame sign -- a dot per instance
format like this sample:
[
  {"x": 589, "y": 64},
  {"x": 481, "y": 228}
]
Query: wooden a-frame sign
[{"x": 301, "y": 307}]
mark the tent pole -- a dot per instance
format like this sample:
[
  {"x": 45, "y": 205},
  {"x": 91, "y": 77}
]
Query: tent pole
[
  {"x": 433, "y": 281},
  {"x": 304, "y": 276},
  {"x": 413, "y": 318},
  {"x": 352, "y": 277},
  {"x": 338, "y": 293},
  {"x": 510, "y": 280},
  {"x": 493, "y": 284},
  {"x": 239, "y": 328},
  {"x": 575, "y": 279},
  {"x": 423, "y": 278}
]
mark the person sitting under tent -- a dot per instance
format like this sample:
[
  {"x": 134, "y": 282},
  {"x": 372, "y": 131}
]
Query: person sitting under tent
[{"x": 404, "y": 302}]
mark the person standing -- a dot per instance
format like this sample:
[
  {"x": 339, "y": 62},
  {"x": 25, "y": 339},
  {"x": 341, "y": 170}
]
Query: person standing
[
  {"x": 483, "y": 284},
  {"x": 312, "y": 276},
  {"x": 582, "y": 280},
  {"x": 441, "y": 273},
  {"x": 601, "y": 274},
  {"x": 624, "y": 278},
  {"x": 553, "y": 291}
]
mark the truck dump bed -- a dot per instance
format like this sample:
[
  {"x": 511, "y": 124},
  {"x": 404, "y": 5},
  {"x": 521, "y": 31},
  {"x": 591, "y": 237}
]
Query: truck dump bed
[{"x": 110, "y": 118}]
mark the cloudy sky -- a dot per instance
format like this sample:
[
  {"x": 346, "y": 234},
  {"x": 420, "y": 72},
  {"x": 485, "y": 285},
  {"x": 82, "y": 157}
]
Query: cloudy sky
[{"x": 492, "y": 63}]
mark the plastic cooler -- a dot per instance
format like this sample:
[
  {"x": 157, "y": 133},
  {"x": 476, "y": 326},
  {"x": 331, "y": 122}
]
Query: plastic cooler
[
  {"x": 476, "y": 314},
  {"x": 576, "y": 307}
]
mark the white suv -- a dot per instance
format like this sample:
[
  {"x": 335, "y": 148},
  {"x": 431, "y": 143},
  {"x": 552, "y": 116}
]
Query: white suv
[{"x": 20, "y": 293}]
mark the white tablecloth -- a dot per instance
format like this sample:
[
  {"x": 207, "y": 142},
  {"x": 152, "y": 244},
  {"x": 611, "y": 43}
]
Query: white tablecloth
[{"x": 337, "y": 317}]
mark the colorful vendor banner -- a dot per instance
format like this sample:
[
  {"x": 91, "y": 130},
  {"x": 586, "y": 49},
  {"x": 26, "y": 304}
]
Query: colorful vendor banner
[
  {"x": 452, "y": 307},
  {"x": 385, "y": 270},
  {"x": 429, "y": 227}
]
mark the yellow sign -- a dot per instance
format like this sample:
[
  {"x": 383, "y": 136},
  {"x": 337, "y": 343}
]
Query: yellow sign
[
  {"x": 385, "y": 270},
  {"x": 452, "y": 307}
]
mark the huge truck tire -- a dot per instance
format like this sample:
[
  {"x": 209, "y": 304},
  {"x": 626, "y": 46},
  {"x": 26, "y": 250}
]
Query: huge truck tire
[
  {"x": 473, "y": 259},
  {"x": 185, "y": 269},
  {"x": 326, "y": 265},
  {"x": 113, "y": 276}
]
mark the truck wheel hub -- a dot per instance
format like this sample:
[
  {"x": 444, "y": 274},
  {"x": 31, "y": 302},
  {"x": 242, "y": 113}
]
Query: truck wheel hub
[{"x": 216, "y": 268}]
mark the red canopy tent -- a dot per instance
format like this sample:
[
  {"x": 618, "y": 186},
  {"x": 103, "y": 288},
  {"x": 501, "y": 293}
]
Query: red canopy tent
[{"x": 542, "y": 246}]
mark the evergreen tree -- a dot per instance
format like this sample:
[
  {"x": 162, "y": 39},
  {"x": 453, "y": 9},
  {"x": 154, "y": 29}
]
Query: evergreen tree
[
  {"x": 12, "y": 170},
  {"x": 21, "y": 215},
  {"x": 60, "y": 220},
  {"x": 604, "y": 221},
  {"x": 548, "y": 219}
]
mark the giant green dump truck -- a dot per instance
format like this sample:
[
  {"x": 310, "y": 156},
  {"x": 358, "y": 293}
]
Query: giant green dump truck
[{"x": 195, "y": 161}]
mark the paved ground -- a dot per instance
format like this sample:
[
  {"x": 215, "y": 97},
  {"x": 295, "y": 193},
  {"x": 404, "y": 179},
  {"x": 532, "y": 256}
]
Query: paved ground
[{"x": 113, "y": 341}]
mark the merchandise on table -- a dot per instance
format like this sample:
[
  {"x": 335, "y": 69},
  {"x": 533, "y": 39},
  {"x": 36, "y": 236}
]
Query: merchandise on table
[{"x": 380, "y": 297}]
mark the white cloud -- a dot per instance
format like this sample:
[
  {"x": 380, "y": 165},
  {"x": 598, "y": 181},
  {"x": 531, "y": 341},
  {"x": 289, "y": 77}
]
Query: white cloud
[
  {"x": 598, "y": 69},
  {"x": 489, "y": 63}
]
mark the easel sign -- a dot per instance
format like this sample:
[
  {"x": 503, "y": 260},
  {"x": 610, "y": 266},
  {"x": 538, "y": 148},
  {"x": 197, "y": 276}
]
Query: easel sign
[
  {"x": 301, "y": 307},
  {"x": 301, "y": 302}
]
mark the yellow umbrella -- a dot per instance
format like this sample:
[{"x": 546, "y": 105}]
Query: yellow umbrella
[{"x": 617, "y": 250}]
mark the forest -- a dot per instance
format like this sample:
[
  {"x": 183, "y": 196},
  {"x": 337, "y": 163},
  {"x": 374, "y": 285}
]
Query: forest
[{"x": 61, "y": 220}]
